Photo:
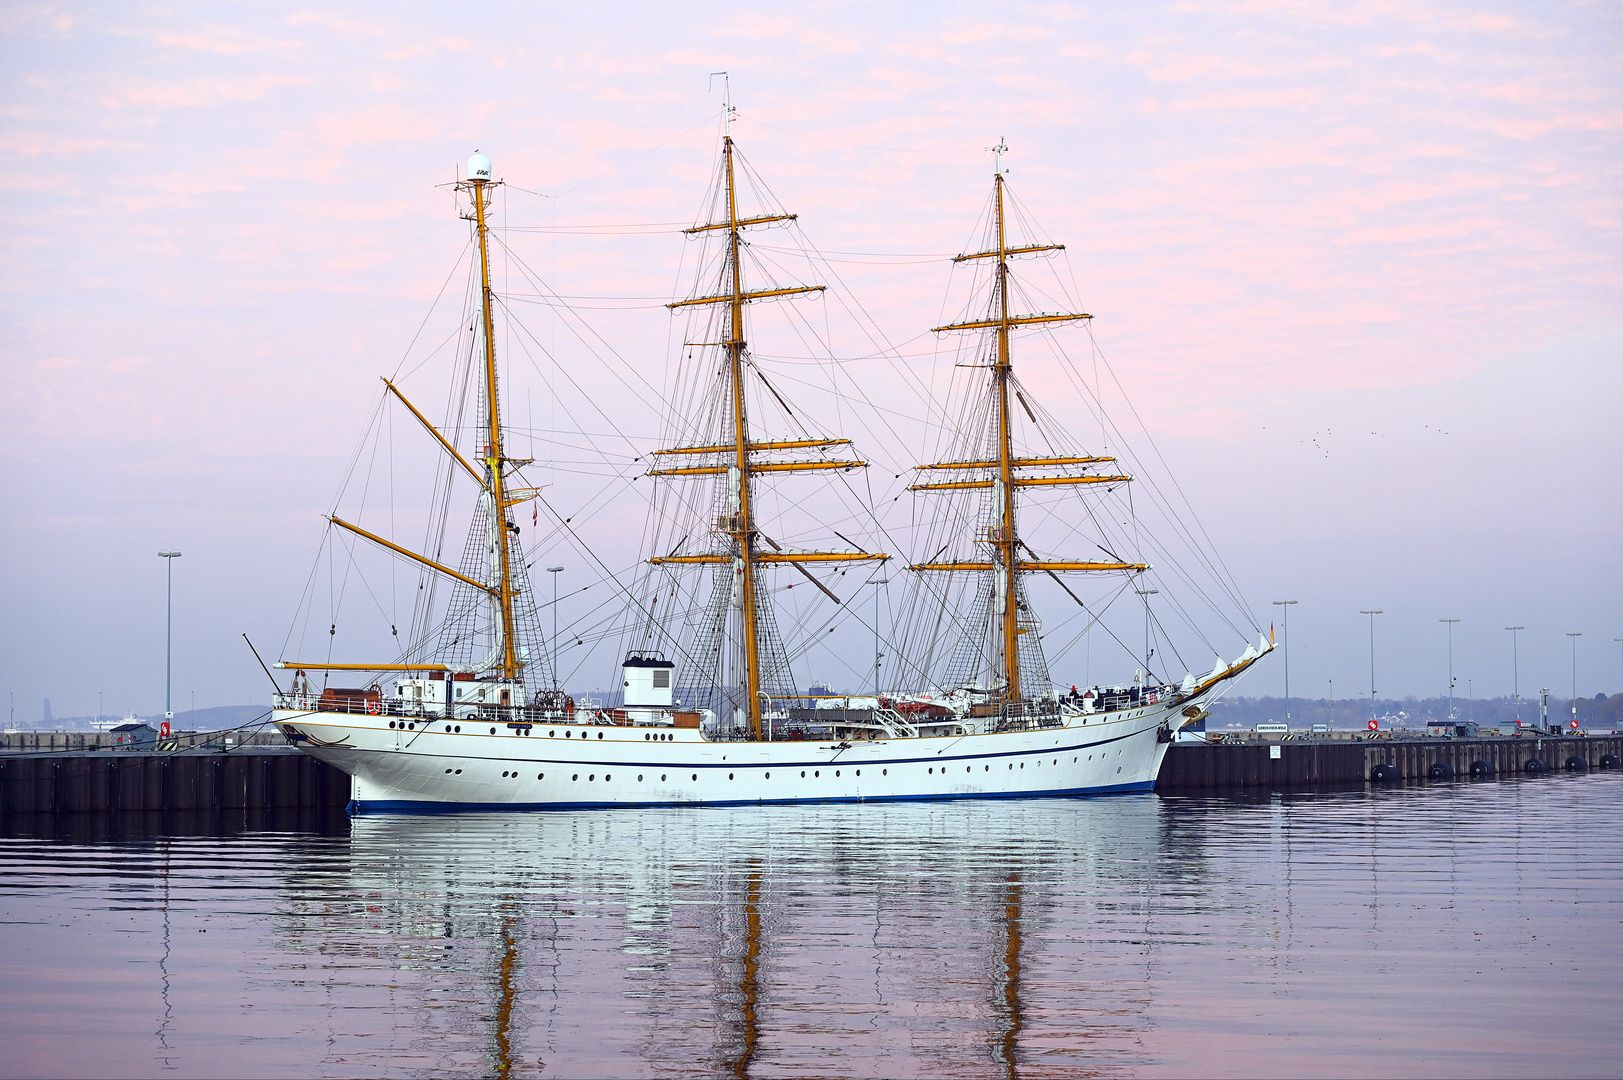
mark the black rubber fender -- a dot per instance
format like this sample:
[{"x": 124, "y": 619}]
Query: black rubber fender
[
  {"x": 1577, "y": 764},
  {"x": 1483, "y": 768},
  {"x": 1536, "y": 765},
  {"x": 1383, "y": 773},
  {"x": 1609, "y": 761},
  {"x": 1440, "y": 770}
]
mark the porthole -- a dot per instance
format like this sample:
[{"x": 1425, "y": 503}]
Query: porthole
[
  {"x": 932, "y": 771},
  {"x": 639, "y": 778},
  {"x": 504, "y": 773},
  {"x": 859, "y": 772},
  {"x": 816, "y": 773},
  {"x": 1073, "y": 761},
  {"x": 593, "y": 776},
  {"x": 729, "y": 776},
  {"x": 459, "y": 772},
  {"x": 447, "y": 771},
  {"x": 1054, "y": 762},
  {"x": 447, "y": 727},
  {"x": 540, "y": 776},
  {"x": 803, "y": 774},
  {"x": 662, "y": 776},
  {"x": 966, "y": 768},
  {"x": 606, "y": 776},
  {"x": 646, "y": 736},
  {"x": 551, "y": 734},
  {"x": 600, "y": 734},
  {"x": 574, "y": 776},
  {"x": 882, "y": 772},
  {"x": 493, "y": 731},
  {"x": 1022, "y": 764},
  {"x": 568, "y": 734},
  {"x": 836, "y": 772},
  {"x": 411, "y": 727},
  {"x": 769, "y": 776},
  {"x": 987, "y": 769},
  {"x": 459, "y": 729},
  {"x": 391, "y": 725},
  {"x": 1118, "y": 768},
  {"x": 695, "y": 776}
]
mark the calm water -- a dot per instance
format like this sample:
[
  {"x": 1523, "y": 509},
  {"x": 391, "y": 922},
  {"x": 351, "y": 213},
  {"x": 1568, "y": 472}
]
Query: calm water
[{"x": 1469, "y": 928}]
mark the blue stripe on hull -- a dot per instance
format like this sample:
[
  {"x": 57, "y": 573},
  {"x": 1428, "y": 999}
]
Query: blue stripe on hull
[{"x": 411, "y": 806}]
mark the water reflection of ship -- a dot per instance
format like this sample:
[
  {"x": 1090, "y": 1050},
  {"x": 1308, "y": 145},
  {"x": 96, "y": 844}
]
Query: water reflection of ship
[{"x": 571, "y": 925}]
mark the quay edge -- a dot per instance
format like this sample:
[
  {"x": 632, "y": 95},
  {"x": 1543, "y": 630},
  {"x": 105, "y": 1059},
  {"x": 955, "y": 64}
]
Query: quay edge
[{"x": 1310, "y": 763}]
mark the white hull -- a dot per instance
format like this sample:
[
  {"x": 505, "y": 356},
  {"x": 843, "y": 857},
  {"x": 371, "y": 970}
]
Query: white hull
[{"x": 489, "y": 766}]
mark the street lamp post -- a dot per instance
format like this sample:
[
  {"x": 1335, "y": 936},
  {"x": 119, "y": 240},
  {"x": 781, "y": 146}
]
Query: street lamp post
[
  {"x": 1450, "y": 623},
  {"x": 169, "y": 558},
  {"x": 1573, "y": 703},
  {"x": 877, "y": 655},
  {"x": 1372, "y": 615},
  {"x": 1146, "y": 594},
  {"x": 1515, "y": 673},
  {"x": 1286, "y": 604},
  {"x": 555, "y": 571}
]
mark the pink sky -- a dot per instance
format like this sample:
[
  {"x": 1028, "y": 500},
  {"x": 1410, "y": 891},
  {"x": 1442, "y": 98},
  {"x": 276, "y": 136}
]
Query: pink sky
[{"x": 1357, "y": 264}]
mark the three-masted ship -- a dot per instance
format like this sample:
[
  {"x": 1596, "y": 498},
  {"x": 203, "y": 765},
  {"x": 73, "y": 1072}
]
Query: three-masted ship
[{"x": 473, "y": 717}]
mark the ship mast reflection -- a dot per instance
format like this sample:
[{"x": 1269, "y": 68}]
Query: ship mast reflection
[{"x": 1011, "y": 1013}]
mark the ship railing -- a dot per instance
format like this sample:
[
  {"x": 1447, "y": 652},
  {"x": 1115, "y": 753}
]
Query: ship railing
[
  {"x": 1027, "y": 715},
  {"x": 894, "y": 724},
  {"x": 476, "y": 712}
]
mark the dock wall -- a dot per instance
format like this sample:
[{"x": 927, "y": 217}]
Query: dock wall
[
  {"x": 278, "y": 778},
  {"x": 101, "y": 782},
  {"x": 1193, "y": 766}
]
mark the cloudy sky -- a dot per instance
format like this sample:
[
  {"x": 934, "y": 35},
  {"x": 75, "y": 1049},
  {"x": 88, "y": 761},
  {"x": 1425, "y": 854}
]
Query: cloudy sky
[{"x": 1357, "y": 265}]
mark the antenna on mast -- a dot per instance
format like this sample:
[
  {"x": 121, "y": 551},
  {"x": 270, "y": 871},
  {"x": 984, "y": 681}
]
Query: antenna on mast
[
  {"x": 728, "y": 112},
  {"x": 998, "y": 151}
]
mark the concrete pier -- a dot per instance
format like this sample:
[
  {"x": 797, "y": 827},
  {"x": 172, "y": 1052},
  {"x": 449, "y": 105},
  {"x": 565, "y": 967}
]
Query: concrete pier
[
  {"x": 251, "y": 778},
  {"x": 1308, "y": 763},
  {"x": 282, "y": 778}
]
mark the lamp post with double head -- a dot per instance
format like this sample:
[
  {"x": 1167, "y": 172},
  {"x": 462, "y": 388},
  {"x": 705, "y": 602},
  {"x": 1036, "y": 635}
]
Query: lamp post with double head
[
  {"x": 1286, "y": 604},
  {"x": 555, "y": 571},
  {"x": 169, "y": 558},
  {"x": 1146, "y": 594},
  {"x": 1450, "y": 623},
  {"x": 878, "y": 657},
  {"x": 1516, "y": 672},
  {"x": 1573, "y": 702},
  {"x": 1372, "y": 613}
]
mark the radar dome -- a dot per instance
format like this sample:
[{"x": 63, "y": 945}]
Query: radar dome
[{"x": 478, "y": 167}]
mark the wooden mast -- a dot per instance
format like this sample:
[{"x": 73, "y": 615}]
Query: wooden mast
[
  {"x": 738, "y": 453},
  {"x": 743, "y": 526},
  {"x": 1007, "y": 541},
  {"x": 1003, "y": 538},
  {"x": 502, "y": 588}
]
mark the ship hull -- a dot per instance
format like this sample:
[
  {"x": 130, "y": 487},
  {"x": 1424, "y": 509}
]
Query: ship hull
[{"x": 434, "y": 767}]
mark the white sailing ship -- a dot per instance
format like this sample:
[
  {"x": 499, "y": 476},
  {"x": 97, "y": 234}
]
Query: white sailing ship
[{"x": 472, "y": 716}]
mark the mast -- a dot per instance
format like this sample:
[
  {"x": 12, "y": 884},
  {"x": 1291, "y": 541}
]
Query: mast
[
  {"x": 1007, "y": 540},
  {"x": 743, "y": 525},
  {"x": 738, "y": 453},
  {"x": 501, "y": 588},
  {"x": 1002, "y": 537}
]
